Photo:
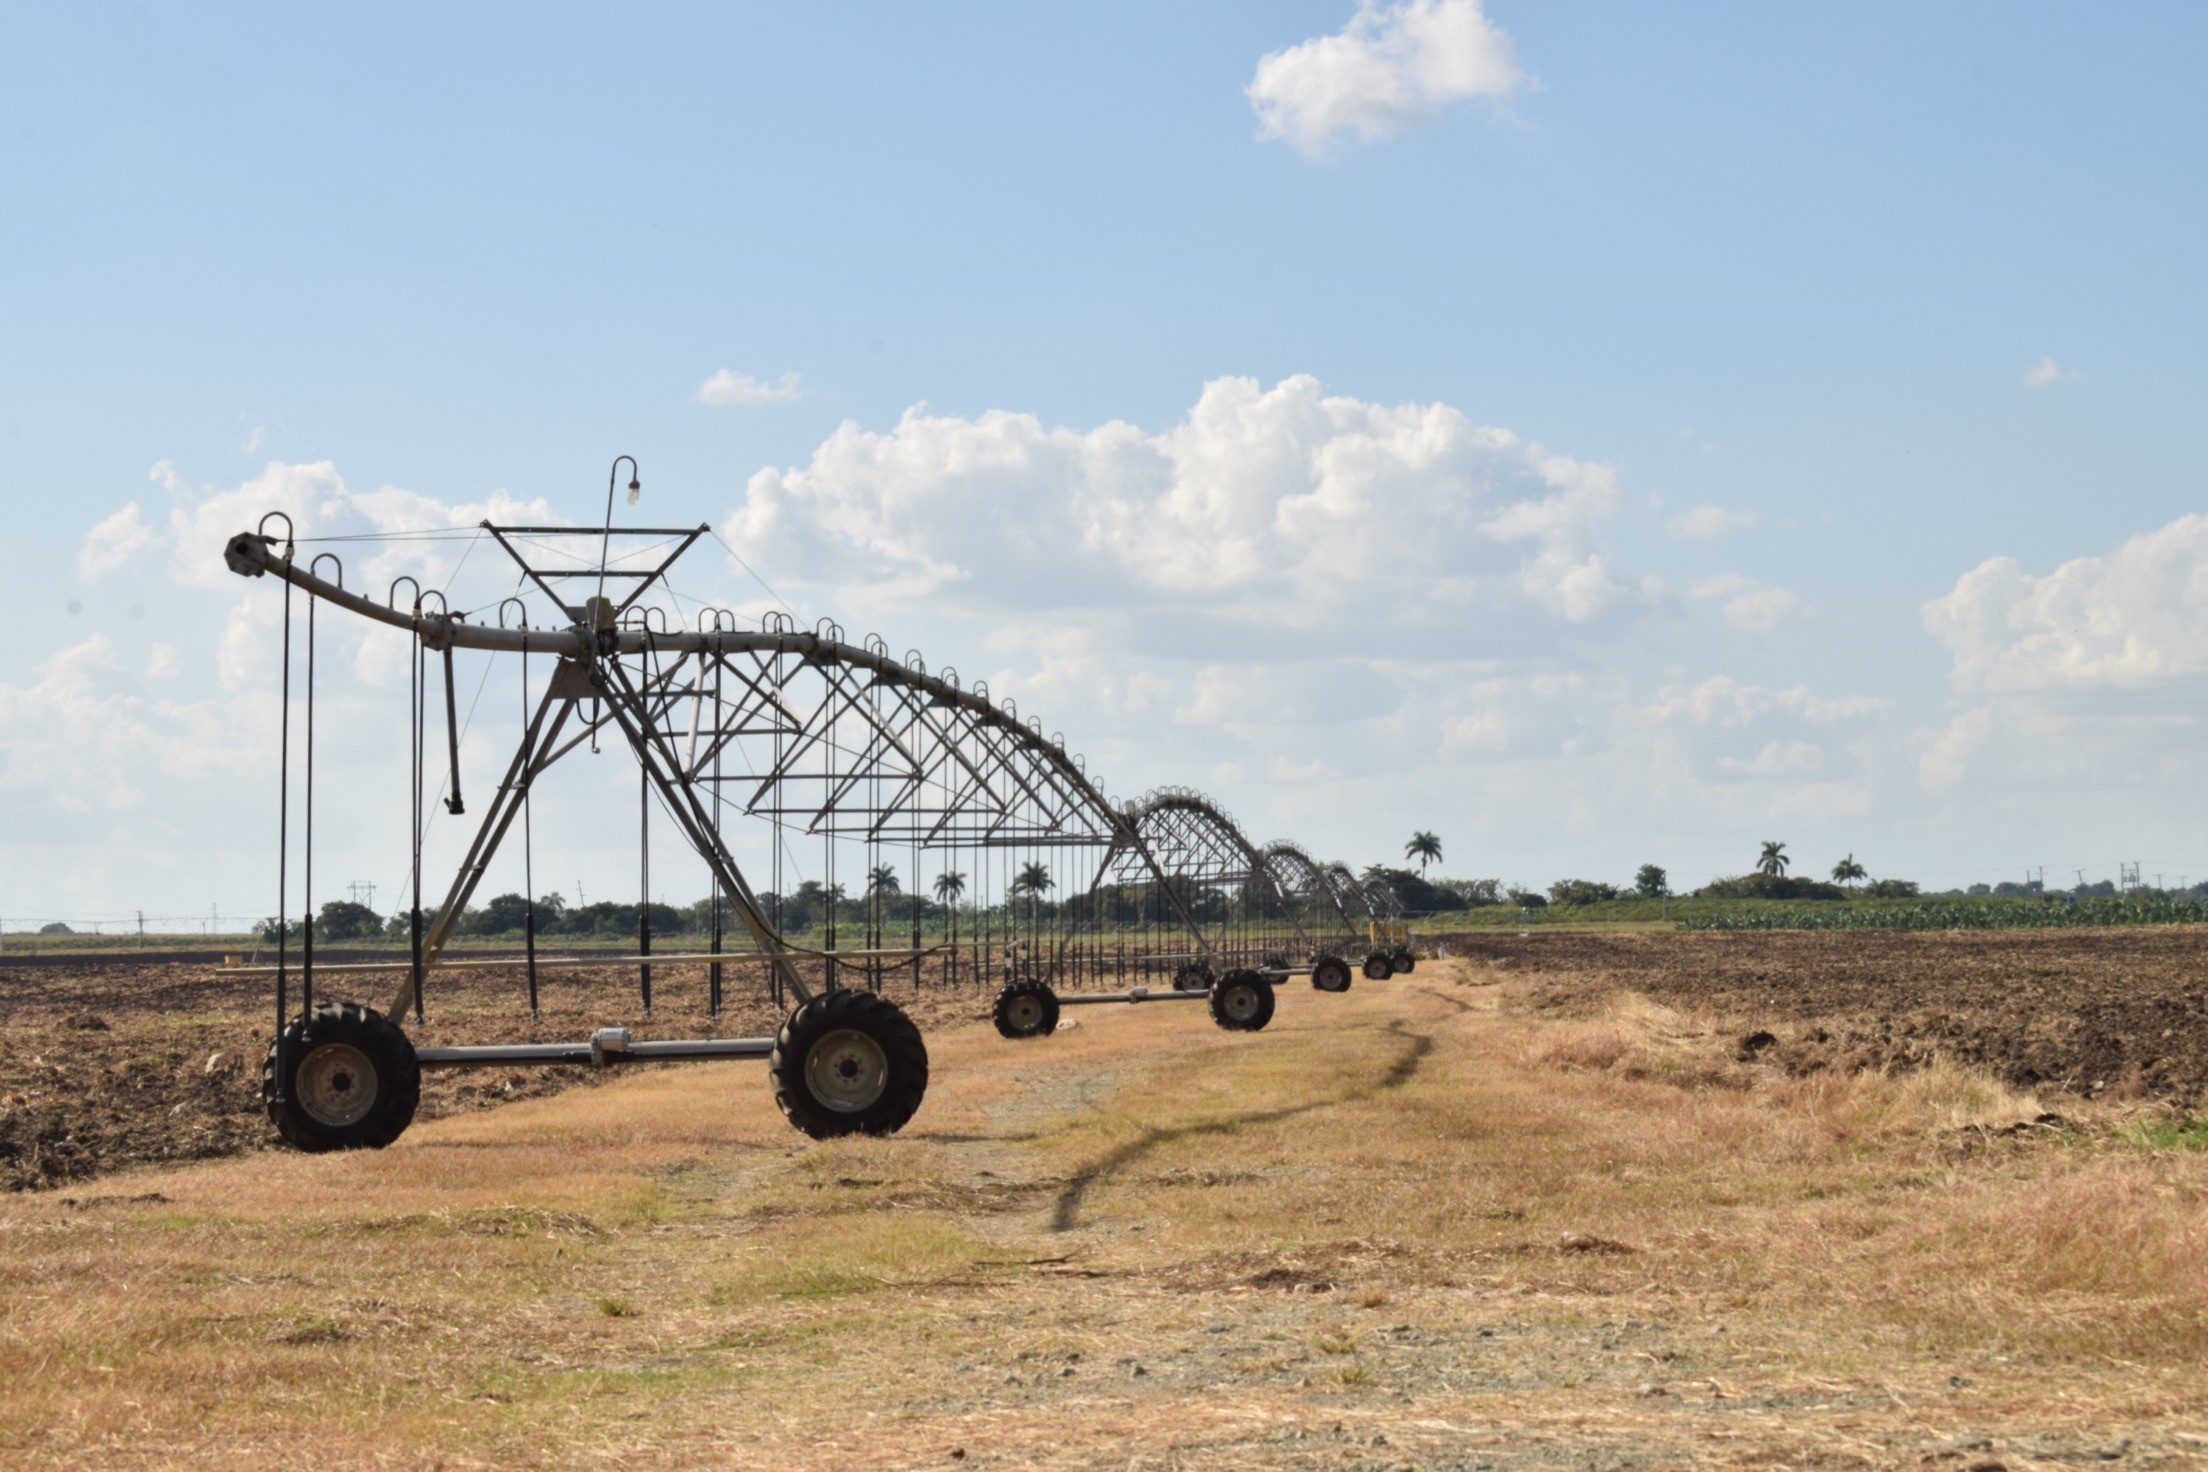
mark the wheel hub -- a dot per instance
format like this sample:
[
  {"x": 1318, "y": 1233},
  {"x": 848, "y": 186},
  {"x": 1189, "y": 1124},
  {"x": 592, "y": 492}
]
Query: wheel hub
[
  {"x": 847, "y": 1071},
  {"x": 1240, "y": 1003},
  {"x": 1026, "y": 1013},
  {"x": 336, "y": 1085}
]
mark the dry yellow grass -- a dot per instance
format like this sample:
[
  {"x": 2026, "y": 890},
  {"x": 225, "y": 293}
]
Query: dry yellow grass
[{"x": 1407, "y": 1226}]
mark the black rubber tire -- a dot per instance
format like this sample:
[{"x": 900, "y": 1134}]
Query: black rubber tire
[
  {"x": 1330, "y": 974},
  {"x": 842, "y": 1036},
  {"x": 1242, "y": 1002},
  {"x": 1026, "y": 1009},
  {"x": 1274, "y": 962},
  {"x": 1378, "y": 966},
  {"x": 1193, "y": 976},
  {"x": 352, "y": 1080},
  {"x": 1405, "y": 959}
]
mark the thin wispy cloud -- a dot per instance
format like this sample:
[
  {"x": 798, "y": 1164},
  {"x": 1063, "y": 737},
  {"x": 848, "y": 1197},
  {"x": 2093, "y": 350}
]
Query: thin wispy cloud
[
  {"x": 1750, "y": 605},
  {"x": 1390, "y": 68},
  {"x": 2046, "y": 373},
  {"x": 113, "y": 543},
  {"x": 729, "y": 389},
  {"x": 1700, "y": 523}
]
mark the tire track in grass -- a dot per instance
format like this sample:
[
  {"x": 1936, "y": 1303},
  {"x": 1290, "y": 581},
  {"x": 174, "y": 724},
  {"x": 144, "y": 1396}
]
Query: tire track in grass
[{"x": 1066, "y": 1211}]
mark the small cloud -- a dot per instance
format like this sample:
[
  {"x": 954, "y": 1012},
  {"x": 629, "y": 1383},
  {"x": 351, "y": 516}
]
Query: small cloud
[
  {"x": 109, "y": 546},
  {"x": 2047, "y": 372},
  {"x": 1766, "y": 608},
  {"x": 1480, "y": 730},
  {"x": 161, "y": 662},
  {"x": 1751, "y": 605},
  {"x": 1390, "y": 67},
  {"x": 1703, "y": 522},
  {"x": 729, "y": 389},
  {"x": 1778, "y": 759},
  {"x": 1946, "y": 760}
]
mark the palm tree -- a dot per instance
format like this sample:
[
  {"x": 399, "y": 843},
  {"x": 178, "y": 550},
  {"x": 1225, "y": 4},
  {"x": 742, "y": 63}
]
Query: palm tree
[
  {"x": 1423, "y": 847},
  {"x": 948, "y": 887},
  {"x": 1034, "y": 882},
  {"x": 1774, "y": 860},
  {"x": 881, "y": 888},
  {"x": 1847, "y": 871}
]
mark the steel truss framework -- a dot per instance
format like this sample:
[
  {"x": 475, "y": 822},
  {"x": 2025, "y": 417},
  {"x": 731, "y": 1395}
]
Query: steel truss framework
[
  {"x": 1382, "y": 906},
  {"x": 852, "y": 764},
  {"x": 1312, "y": 895},
  {"x": 1183, "y": 853},
  {"x": 883, "y": 765}
]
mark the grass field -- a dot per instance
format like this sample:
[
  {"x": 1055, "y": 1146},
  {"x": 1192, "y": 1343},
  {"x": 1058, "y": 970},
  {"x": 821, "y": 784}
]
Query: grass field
[{"x": 1424, "y": 1224}]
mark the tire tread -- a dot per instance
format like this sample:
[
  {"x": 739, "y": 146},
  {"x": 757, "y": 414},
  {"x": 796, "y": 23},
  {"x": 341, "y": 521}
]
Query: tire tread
[{"x": 880, "y": 1019}]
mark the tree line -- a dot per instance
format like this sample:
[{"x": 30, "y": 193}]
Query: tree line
[{"x": 1031, "y": 897}]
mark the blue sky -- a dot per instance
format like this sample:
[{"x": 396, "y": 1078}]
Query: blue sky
[{"x": 1888, "y": 292}]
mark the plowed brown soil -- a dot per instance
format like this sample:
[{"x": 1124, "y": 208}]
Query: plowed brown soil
[
  {"x": 114, "y": 1063},
  {"x": 2101, "y": 1013}
]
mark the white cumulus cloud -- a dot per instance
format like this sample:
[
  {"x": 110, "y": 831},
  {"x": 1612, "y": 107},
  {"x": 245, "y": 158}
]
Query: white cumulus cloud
[
  {"x": 80, "y": 739},
  {"x": 1285, "y": 502},
  {"x": 110, "y": 545},
  {"x": 2133, "y": 617},
  {"x": 729, "y": 389},
  {"x": 1390, "y": 67}
]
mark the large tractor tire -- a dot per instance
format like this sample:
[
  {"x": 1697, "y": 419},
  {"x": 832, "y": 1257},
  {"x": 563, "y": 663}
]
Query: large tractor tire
[
  {"x": 1242, "y": 1002},
  {"x": 349, "y": 1080},
  {"x": 1405, "y": 959},
  {"x": 1026, "y": 1009},
  {"x": 1378, "y": 967},
  {"x": 848, "y": 1063},
  {"x": 1193, "y": 976},
  {"x": 1330, "y": 974}
]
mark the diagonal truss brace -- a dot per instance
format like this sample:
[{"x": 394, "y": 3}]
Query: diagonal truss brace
[{"x": 574, "y": 682}]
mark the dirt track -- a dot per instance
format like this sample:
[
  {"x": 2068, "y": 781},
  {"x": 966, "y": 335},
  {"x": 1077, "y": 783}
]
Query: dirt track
[{"x": 2105, "y": 1013}]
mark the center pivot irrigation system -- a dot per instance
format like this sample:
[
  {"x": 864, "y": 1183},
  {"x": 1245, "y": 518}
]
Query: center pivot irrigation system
[{"x": 845, "y": 763}]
